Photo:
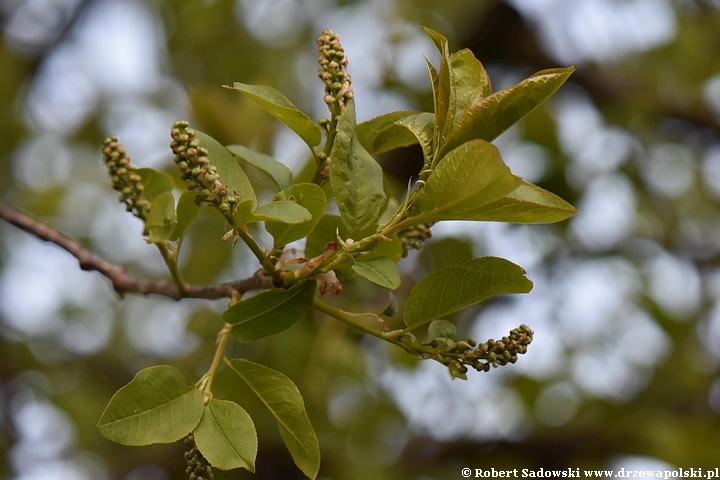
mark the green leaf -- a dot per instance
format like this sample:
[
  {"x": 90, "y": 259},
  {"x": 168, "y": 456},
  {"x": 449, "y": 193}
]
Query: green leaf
[
  {"x": 283, "y": 211},
  {"x": 434, "y": 76},
  {"x": 161, "y": 221},
  {"x": 154, "y": 183},
  {"x": 233, "y": 175},
  {"x": 226, "y": 436},
  {"x": 281, "y": 108},
  {"x": 278, "y": 171},
  {"x": 380, "y": 270},
  {"x": 471, "y": 80},
  {"x": 528, "y": 203},
  {"x": 407, "y": 131},
  {"x": 157, "y": 406},
  {"x": 325, "y": 232},
  {"x": 441, "y": 329},
  {"x": 355, "y": 177},
  {"x": 270, "y": 312},
  {"x": 469, "y": 177},
  {"x": 230, "y": 173},
  {"x": 308, "y": 195},
  {"x": 187, "y": 210},
  {"x": 453, "y": 288},
  {"x": 492, "y": 115},
  {"x": 392, "y": 249},
  {"x": 443, "y": 89},
  {"x": 157, "y": 187},
  {"x": 284, "y": 401},
  {"x": 368, "y": 130}
]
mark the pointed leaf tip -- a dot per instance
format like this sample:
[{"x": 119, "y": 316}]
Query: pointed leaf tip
[
  {"x": 278, "y": 171},
  {"x": 453, "y": 288},
  {"x": 281, "y": 108},
  {"x": 528, "y": 203},
  {"x": 469, "y": 177},
  {"x": 283, "y": 399},
  {"x": 490, "y": 116},
  {"x": 226, "y": 436}
]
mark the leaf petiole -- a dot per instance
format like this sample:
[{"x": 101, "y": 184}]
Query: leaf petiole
[{"x": 209, "y": 377}]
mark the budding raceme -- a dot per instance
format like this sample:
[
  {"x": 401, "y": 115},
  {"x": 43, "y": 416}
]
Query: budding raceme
[
  {"x": 413, "y": 237},
  {"x": 125, "y": 178},
  {"x": 506, "y": 350},
  {"x": 198, "y": 467},
  {"x": 333, "y": 71},
  {"x": 484, "y": 355},
  {"x": 195, "y": 169}
]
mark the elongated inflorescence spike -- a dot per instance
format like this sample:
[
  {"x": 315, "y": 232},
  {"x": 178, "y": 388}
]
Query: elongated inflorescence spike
[
  {"x": 196, "y": 170},
  {"x": 458, "y": 355},
  {"x": 198, "y": 467},
  {"x": 124, "y": 177},
  {"x": 504, "y": 351},
  {"x": 333, "y": 71}
]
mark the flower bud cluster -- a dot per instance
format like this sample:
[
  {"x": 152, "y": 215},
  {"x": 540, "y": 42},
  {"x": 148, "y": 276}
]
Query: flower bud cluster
[
  {"x": 481, "y": 357},
  {"x": 124, "y": 177},
  {"x": 413, "y": 237},
  {"x": 198, "y": 467},
  {"x": 196, "y": 170},
  {"x": 333, "y": 71}
]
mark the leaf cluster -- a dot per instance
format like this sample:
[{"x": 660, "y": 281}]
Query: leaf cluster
[{"x": 463, "y": 178}]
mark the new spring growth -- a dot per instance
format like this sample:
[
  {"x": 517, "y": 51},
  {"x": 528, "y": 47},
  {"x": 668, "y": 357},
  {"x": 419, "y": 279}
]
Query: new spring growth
[
  {"x": 506, "y": 350},
  {"x": 413, "y": 237},
  {"x": 195, "y": 168},
  {"x": 333, "y": 71},
  {"x": 125, "y": 178},
  {"x": 481, "y": 357},
  {"x": 198, "y": 467}
]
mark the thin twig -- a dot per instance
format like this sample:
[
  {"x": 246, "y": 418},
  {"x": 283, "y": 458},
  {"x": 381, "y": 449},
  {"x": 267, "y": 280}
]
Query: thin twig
[{"x": 122, "y": 282}]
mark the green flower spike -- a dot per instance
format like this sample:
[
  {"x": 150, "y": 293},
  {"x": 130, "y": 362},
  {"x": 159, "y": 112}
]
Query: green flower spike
[
  {"x": 501, "y": 352},
  {"x": 458, "y": 355},
  {"x": 333, "y": 71},
  {"x": 196, "y": 170},
  {"x": 125, "y": 178}
]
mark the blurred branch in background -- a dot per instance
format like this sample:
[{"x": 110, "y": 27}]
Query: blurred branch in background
[{"x": 121, "y": 281}]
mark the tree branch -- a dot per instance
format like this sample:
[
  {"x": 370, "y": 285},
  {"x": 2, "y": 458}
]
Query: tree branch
[{"x": 122, "y": 282}]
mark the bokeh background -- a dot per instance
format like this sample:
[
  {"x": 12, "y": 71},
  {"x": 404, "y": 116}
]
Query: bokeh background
[{"x": 623, "y": 371}]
